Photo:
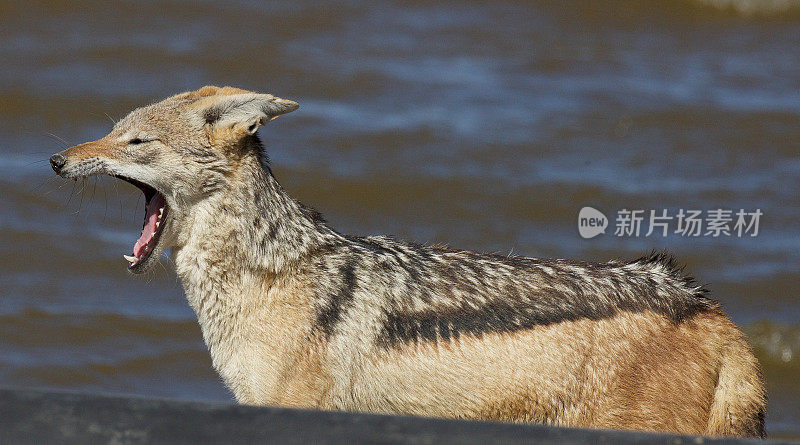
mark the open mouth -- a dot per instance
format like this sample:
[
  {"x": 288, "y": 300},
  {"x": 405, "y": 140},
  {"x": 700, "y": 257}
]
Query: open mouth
[{"x": 155, "y": 213}]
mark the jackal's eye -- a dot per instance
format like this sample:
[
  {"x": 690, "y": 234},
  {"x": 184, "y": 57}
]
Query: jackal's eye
[{"x": 136, "y": 141}]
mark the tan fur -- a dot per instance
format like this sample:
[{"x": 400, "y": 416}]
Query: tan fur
[
  {"x": 662, "y": 378},
  {"x": 101, "y": 147},
  {"x": 628, "y": 370}
]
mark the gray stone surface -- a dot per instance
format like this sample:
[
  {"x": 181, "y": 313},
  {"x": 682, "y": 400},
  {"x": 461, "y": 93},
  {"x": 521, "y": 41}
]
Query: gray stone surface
[{"x": 34, "y": 416}]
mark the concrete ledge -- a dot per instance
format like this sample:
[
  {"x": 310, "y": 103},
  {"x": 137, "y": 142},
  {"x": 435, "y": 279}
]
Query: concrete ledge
[{"x": 33, "y": 416}]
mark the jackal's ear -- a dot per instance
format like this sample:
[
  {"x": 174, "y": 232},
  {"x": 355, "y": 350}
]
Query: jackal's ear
[{"x": 247, "y": 111}]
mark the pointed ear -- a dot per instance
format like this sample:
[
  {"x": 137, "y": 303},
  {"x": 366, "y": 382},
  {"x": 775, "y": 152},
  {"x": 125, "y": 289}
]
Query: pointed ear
[{"x": 246, "y": 111}]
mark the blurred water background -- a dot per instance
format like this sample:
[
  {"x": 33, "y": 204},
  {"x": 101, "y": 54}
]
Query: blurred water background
[{"x": 482, "y": 125}]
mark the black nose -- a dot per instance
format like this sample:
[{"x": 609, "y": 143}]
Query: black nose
[{"x": 57, "y": 161}]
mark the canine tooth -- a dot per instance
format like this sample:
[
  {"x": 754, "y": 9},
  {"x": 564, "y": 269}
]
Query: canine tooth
[
  {"x": 157, "y": 224},
  {"x": 131, "y": 259}
]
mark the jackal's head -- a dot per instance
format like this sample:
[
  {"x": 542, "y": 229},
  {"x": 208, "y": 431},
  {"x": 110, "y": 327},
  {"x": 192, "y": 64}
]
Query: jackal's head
[{"x": 178, "y": 151}]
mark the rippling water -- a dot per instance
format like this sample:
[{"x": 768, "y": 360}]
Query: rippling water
[{"x": 483, "y": 125}]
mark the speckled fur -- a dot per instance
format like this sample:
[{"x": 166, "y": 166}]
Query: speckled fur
[{"x": 296, "y": 314}]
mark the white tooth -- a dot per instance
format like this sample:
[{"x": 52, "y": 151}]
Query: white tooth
[
  {"x": 161, "y": 211},
  {"x": 154, "y": 233},
  {"x": 131, "y": 259},
  {"x": 157, "y": 224}
]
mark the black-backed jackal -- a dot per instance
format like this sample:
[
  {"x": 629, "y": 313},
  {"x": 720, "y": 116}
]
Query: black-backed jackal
[{"x": 296, "y": 314}]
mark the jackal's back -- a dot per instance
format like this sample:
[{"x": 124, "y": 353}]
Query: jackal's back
[{"x": 433, "y": 294}]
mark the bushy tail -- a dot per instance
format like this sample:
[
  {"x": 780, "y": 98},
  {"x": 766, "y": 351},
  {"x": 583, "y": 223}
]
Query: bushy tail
[{"x": 739, "y": 403}]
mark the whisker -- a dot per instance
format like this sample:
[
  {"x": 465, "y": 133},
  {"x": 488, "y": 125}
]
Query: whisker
[
  {"x": 113, "y": 122},
  {"x": 105, "y": 207},
  {"x": 45, "y": 182},
  {"x": 58, "y": 138},
  {"x": 161, "y": 262},
  {"x": 67, "y": 183},
  {"x": 71, "y": 193},
  {"x": 94, "y": 188},
  {"x": 80, "y": 192},
  {"x": 119, "y": 198},
  {"x": 80, "y": 204}
]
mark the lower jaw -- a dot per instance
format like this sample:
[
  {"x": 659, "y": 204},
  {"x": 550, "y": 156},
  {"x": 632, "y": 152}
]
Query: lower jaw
[
  {"x": 149, "y": 257},
  {"x": 146, "y": 262},
  {"x": 149, "y": 253},
  {"x": 139, "y": 267}
]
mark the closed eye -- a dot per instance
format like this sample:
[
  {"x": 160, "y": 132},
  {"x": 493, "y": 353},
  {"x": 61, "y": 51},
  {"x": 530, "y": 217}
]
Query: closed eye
[{"x": 137, "y": 141}]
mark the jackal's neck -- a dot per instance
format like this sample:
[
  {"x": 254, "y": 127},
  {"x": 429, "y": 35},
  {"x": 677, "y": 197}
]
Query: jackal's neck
[{"x": 244, "y": 234}]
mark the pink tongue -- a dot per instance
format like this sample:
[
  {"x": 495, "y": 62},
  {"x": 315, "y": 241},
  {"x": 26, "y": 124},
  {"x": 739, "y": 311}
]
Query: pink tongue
[{"x": 150, "y": 219}]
